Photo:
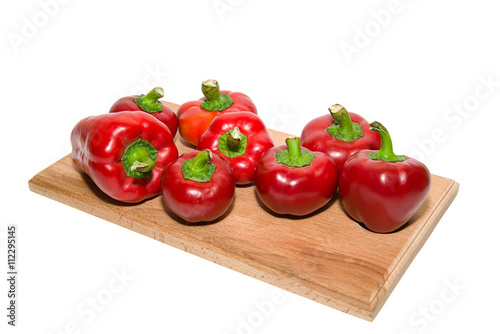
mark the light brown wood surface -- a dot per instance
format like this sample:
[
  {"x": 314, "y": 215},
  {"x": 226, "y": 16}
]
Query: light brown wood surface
[{"x": 326, "y": 256}]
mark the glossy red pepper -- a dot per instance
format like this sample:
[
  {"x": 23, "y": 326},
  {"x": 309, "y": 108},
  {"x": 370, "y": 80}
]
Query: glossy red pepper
[
  {"x": 198, "y": 186},
  {"x": 195, "y": 116},
  {"x": 290, "y": 179},
  {"x": 339, "y": 134},
  {"x": 151, "y": 104},
  {"x": 239, "y": 137},
  {"x": 380, "y": 189},
  {"x": 123, "y": 153}
]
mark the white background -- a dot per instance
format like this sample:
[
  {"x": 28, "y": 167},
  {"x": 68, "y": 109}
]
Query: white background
[{"x": 412, "y": 65}]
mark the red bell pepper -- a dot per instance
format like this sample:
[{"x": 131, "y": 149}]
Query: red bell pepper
[
  {"x": 123, "y": 153},
  {"x": 151, "y": 104},
  {"x": 239, "y": 137},
  {"x": 195, "y": 116},
  {"x": 290, "y": 179},
  {"x": 339, "y": 134},
  {"x": 380, "y": 189},
  {"x": 198, "y": 186}
]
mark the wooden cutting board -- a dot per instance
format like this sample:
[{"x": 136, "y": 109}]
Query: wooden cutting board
[{"x": 326, "y": 256}]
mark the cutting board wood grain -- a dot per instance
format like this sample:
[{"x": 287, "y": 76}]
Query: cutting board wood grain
[{"x": 326, "y": 256}]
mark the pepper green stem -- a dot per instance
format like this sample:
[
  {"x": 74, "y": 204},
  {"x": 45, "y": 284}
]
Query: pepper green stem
[
  {"x": 214, "y": 100},
  {"x": 386, "y": 152},
  {"x": 294, "y": 155},
  {"x": 199, "y": 163},
  {"x": 200, "y": 168},
  {"x": 343, "y": 128},
  {"x": 341, "y": 115},
  {"x": 234, "y": 139},
  {"x": 210, "y": 89},
  {"x": 139, "y": 159},
  {"x": 232, "y": 143},
  {"x": 293, "y": 145},
  {"x": 150, "y": 102}
]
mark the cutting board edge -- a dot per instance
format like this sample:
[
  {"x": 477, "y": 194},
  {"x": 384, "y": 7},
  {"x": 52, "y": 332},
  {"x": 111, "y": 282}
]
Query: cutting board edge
[{"x": 411, "y": 252}]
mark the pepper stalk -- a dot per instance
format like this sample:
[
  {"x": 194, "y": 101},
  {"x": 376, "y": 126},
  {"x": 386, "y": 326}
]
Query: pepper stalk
[
  {"x": 139, "y": 159},
  {"x": 294, "y": 156},
  {"x": 200, "y": 168},
  {"x": 214, "y": 100},
  {"x": 386, "y": 152},
  {"x": 233, "y": 143},
  {"x": 150, "y": 102},
  {"x": 343, "y": 128}
]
